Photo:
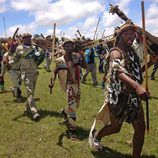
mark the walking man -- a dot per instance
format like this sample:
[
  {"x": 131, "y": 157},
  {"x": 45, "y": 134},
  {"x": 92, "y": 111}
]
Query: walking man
[
  {"x": 68, "y": 70},
  {"x": 124, "y": 92},
  {"x": 29, "y": 73}
]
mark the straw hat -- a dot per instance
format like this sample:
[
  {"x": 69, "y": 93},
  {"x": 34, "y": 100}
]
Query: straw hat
[{"x": 68, "y": 41}]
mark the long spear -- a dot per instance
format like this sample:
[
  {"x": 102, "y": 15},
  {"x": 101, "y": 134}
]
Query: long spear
[{"x": 145, "y": 61}]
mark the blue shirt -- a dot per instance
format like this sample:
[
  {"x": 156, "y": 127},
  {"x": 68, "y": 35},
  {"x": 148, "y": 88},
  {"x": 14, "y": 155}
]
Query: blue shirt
[{"x": 87, "y": 54}]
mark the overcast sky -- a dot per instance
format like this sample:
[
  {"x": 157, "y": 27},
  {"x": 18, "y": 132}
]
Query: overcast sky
[{"x": 38, "y": 16}]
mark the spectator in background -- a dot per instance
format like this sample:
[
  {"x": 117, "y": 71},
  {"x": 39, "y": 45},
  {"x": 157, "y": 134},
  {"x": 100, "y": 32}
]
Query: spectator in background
[
  {"x": 3, "y": 50},
  {"x": 48, "y": 59},
  {"x": 2, "y": 89},
  {"x": 154, "y": 70},
  {"x": 13, "y": 69},
  {"x": 101, "y": 54},
  {"x": 154, "y": 59},
  {"x": 91, "y": 66}
]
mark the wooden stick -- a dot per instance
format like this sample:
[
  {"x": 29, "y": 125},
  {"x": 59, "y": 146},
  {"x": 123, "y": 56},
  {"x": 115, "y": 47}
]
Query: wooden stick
[
  {"x": 13, "y": 37},
  {"x": 79, "y": 33},
  {"x": 96, "y": 29},
  {"x": 53, "y": 48},
  {"x": 53, "y": 39},
  {"x": 145, "y": 61},
  {"x": 4, "y": 26},
  {"x": 102, "y": 36}
]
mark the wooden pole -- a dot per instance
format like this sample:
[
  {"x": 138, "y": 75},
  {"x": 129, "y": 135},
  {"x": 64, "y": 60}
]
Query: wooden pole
[
  {"x": 96, "y": 29},
  {"x": 14, "y": 35},
  {"x": 103, "y": 34},
  {"x": 78, "y": 31},
  {"x": 4, "y": 26},
  {"x": 53, "y": 39},
  {"x": 53, "y": 46},
  {"x": 96, "y": 37},
  {"x": 145, "y": 61}
]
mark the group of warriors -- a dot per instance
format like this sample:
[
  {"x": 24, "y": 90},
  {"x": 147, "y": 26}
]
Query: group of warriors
[{"x": 122, "y": 74}]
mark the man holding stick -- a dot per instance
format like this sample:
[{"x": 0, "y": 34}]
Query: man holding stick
[
  {"x": 68, "y": 70},
  {"x": 29, "y": 73},
  {"x": 124, "y": 92}
]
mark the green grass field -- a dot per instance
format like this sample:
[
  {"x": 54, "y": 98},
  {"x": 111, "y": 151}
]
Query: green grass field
[{"x": 20, "y": 137}]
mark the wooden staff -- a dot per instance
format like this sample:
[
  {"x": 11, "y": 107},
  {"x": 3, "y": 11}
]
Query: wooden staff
[
  {"x": 79, "y": 33},
  {"x": 145, "y": 61},
  {"x": 102, "y": 36},
  {"x": 53, "y": 46},
  {"x": 115, "y": 9},
  {"x": 15, "y": 33},
  {"x": 53, "y": 37},
  {"x": 12, "y": 40},
  {"x": 92, "y": 43},
  {"x": 4, "y": 26},
  {"x": 96, "y": 29},
  {"x": 6, "y": 58}
]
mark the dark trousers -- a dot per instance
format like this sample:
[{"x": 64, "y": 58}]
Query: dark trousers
[
  {"x": 154, "y": 69},
  {"x": 101, "y": 64}
]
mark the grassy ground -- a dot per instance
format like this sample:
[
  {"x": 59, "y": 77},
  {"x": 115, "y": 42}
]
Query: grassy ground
[{"x": 20, "y": 137}]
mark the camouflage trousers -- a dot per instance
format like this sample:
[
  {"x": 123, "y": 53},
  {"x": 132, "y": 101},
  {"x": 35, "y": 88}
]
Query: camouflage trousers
[
  {"x": 15, "y": 77},
  {"x": 30, "y": 84}
]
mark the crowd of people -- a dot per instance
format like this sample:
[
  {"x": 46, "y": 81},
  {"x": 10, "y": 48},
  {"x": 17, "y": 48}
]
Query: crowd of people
[{"x": 121, "y": 69}]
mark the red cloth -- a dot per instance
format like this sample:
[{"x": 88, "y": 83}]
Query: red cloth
[{"x": 78, "y": 74}]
